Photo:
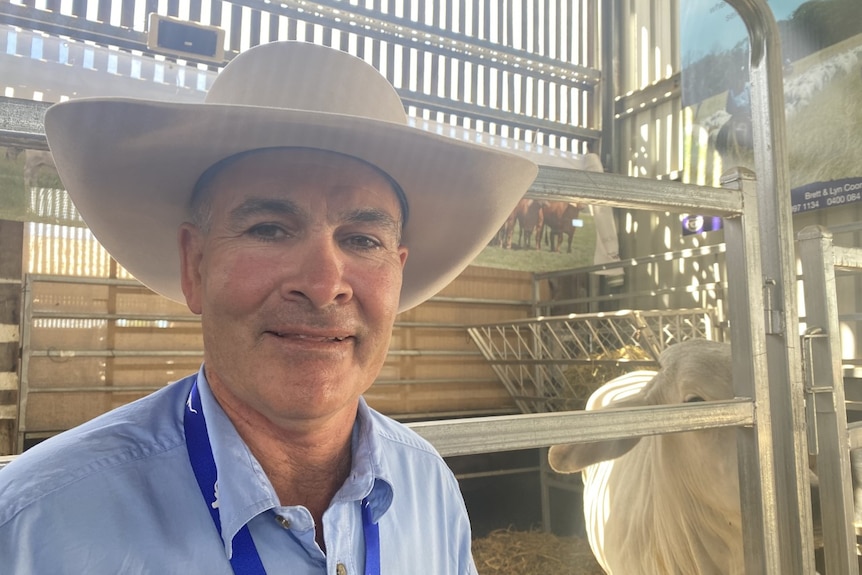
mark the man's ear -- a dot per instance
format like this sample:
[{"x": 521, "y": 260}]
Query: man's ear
[{"x": 191, "y": 242}]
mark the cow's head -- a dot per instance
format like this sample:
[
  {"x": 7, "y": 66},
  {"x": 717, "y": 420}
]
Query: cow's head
[{"x": 691, "y": 371}]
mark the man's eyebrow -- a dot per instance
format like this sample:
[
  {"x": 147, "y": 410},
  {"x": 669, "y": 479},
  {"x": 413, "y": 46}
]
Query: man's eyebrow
[
  {"x": 375, "y": 216},
  {"x": 259, "y": 206}
]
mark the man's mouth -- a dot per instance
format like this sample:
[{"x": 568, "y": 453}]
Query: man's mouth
[{"x": 309, "y": 337}]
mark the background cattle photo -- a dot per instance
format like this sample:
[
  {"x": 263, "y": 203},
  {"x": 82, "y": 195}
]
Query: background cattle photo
[{"x": 545, "y": 235}]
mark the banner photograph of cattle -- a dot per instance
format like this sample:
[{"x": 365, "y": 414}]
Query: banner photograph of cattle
[{"x": 543, "y": 235}]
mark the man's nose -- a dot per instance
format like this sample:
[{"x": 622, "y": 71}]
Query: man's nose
[{"x": 319, "y": 274}]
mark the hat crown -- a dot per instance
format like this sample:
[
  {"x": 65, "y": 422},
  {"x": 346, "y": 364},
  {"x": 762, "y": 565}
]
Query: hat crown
[{"x": 304, "y": 76}]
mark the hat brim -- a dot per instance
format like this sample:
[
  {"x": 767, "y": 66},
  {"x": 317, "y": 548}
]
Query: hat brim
[{"x": 130, "y": 167}]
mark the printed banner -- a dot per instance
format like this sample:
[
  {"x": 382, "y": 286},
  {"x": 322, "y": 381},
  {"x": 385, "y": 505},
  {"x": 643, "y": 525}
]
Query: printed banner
[{"x": 821, "y": 44}]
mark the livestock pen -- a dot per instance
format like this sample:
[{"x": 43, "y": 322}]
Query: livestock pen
[{"x": 435, "y": 373}]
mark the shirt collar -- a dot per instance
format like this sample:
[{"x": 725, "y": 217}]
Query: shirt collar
[
  {"x": 244, "y": 491},
  {"x": 370, "y": 476}
]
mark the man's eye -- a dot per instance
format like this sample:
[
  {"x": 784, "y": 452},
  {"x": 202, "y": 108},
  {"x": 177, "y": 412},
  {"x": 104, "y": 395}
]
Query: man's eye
[
  {"x": 364, "y": 242},
  {"x": 267, "y": 231}
]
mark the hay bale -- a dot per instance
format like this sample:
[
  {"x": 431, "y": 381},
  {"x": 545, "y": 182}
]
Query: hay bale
[{"x": 533, "y": 553}]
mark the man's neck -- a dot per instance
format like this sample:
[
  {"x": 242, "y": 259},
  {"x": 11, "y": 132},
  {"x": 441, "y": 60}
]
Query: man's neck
[{"x": 306, "y": 464}]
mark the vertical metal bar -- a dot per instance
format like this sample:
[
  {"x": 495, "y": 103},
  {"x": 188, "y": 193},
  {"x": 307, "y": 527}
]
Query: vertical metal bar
[
  {"x": 546, "y": 100},
  {"x": 533, "y": 112},
  {"x": 435, "y": 75},
  {"x": 327, "y": 37},
  {"x": 486, "y": 20},
  {"x": 390, "y": 62},
  {"x": 558, "y": 30},
  {"x": 79, "y": 8},
  {"x": 103, "y": 11},
  {"x": 419, "y": 70},
  {"x": 235, "y": 27},
  {"x": 507, "y": 38},
  {"x": 545, "y": 489},
  {"x": 376, "y": 48},
  {"x": 174, "y": 8},
  {"x": 501, "y": 86},
  {"x": 111, "y": 332},
  {"x": 674, "y": 36},
  {"x": 461, "y": 79},
  {"x": 474, "y": 86},
  {"x": 254, "y": 28},
  {"x": 360, "y": 47},
  {"x": 571, "y": 34},
  {"x": 778, "y": 265},
  {"x": 406, "y": 68},
  {"x": 510, "y": 89},
  {"x": 474, "y": 21},
  {"x": 609, "y": 150},
  {"x": 408, "y": 10},
  {"x": 522, "y": 29},
  {"x": 273, "y": 30},
  {"x": 292, "y": 31},
  {"x": 450, "y": 8},
  {"x": 826, "y": 392},
  {"x": 555, "y": 110},
  {"x": 344, "y": 43},
  {"x": 486, "y": 85},
  {"x": 24, "y": 383},
  {"x": 750, "y": 379},
  {"x": 445, "y": 88},
  {"x": 215, "y": 11},
  {"x": 194, "y": 10}
]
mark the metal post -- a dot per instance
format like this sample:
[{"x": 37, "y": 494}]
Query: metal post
[
  {"x": 747, "y": 334},
  {"x": 779, "y": 278},
  {"x": 24, "y": 383},
  {"x": 825, "y": 394}
]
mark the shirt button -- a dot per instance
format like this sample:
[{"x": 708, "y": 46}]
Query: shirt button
[
  {"x": 340, "y": 569},
  {"x": 283, "y": 521}
]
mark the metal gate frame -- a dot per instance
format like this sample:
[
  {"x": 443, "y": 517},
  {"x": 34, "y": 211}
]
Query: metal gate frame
[{"x": 828, "y": 436}]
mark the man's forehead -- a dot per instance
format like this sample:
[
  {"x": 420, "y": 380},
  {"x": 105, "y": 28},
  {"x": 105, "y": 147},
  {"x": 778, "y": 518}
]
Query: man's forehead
[{"x": 286, "y": 169}]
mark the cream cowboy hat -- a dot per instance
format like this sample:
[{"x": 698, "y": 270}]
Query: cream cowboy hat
[{"x": 130, "y": 165}]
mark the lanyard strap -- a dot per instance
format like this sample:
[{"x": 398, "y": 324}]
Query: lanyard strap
[
  {"x": 372, "y": 540},
  {"x": 245, "y": 559}
]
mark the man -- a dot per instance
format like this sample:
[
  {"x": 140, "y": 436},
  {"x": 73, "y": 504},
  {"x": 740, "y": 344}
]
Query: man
[{"x": 298, "y": 192}]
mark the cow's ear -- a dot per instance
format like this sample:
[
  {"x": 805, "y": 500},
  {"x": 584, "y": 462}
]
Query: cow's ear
[{"x": 575, "y": 457}]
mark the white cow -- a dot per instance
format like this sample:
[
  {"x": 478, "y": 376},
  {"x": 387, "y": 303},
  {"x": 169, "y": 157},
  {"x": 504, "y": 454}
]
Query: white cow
[{"x": 663, "y": 504}]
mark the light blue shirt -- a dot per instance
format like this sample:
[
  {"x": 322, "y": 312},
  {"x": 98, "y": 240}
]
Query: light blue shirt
[{"x": 117, "y": 495}]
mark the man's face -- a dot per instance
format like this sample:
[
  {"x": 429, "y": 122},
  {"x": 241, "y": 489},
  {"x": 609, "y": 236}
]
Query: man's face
[{"x": 297, "y": 281}]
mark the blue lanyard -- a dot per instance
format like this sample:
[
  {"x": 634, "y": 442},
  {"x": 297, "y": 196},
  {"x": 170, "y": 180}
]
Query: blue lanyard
[{"x": 245, "y": 559}]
